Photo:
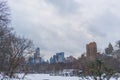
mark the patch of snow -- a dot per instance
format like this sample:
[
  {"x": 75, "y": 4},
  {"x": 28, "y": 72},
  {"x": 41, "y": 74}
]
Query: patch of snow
[{"x": 47, "y": 77}]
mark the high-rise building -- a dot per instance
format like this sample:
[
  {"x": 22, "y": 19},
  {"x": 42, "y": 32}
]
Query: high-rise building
[
  {"x": 59, "y": 57},
  {"x": 37, "y": 56},
  {"x": 70, "y": 59},
  {"x": 91, "y": 49},
  {"x": 31, "y": 60},
  {"x": 109, "y": 49},
  {"x": 37, "y": 53}
]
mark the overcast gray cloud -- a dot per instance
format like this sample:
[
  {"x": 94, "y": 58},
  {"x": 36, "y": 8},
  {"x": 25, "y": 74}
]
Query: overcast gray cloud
[
  {"x": 65, "y": 6},
  {"x": 107, "y": 22},
  {"x": 66, "y": 25}
]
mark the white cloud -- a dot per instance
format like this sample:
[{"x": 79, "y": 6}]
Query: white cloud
[{"x": 66, "y": 25}]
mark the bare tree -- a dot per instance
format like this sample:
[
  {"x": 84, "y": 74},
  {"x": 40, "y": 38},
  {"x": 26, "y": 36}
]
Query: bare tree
[
  {"x": 4, "y": 13},
  {"x": 4, "y": 30},
  {"x": 118, "y": 44},
  {"x": 12, "y": 48},
  {"x": 5, "y": 33},
  {"x": 19, "y": 47}
]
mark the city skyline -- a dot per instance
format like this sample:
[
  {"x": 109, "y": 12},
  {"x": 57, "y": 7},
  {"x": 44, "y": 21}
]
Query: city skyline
[{"x": 66, "y": 25}]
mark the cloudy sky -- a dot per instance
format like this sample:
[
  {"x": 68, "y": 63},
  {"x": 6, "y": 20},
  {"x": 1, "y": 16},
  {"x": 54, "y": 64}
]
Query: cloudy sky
[{"x": 66, "y": 25}]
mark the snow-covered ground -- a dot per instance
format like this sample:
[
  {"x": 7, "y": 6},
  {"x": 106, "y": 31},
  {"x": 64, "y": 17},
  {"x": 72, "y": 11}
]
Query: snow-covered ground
[
  {"x": 48, "y": 77},
  {"x": 43, "y": 77}
]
